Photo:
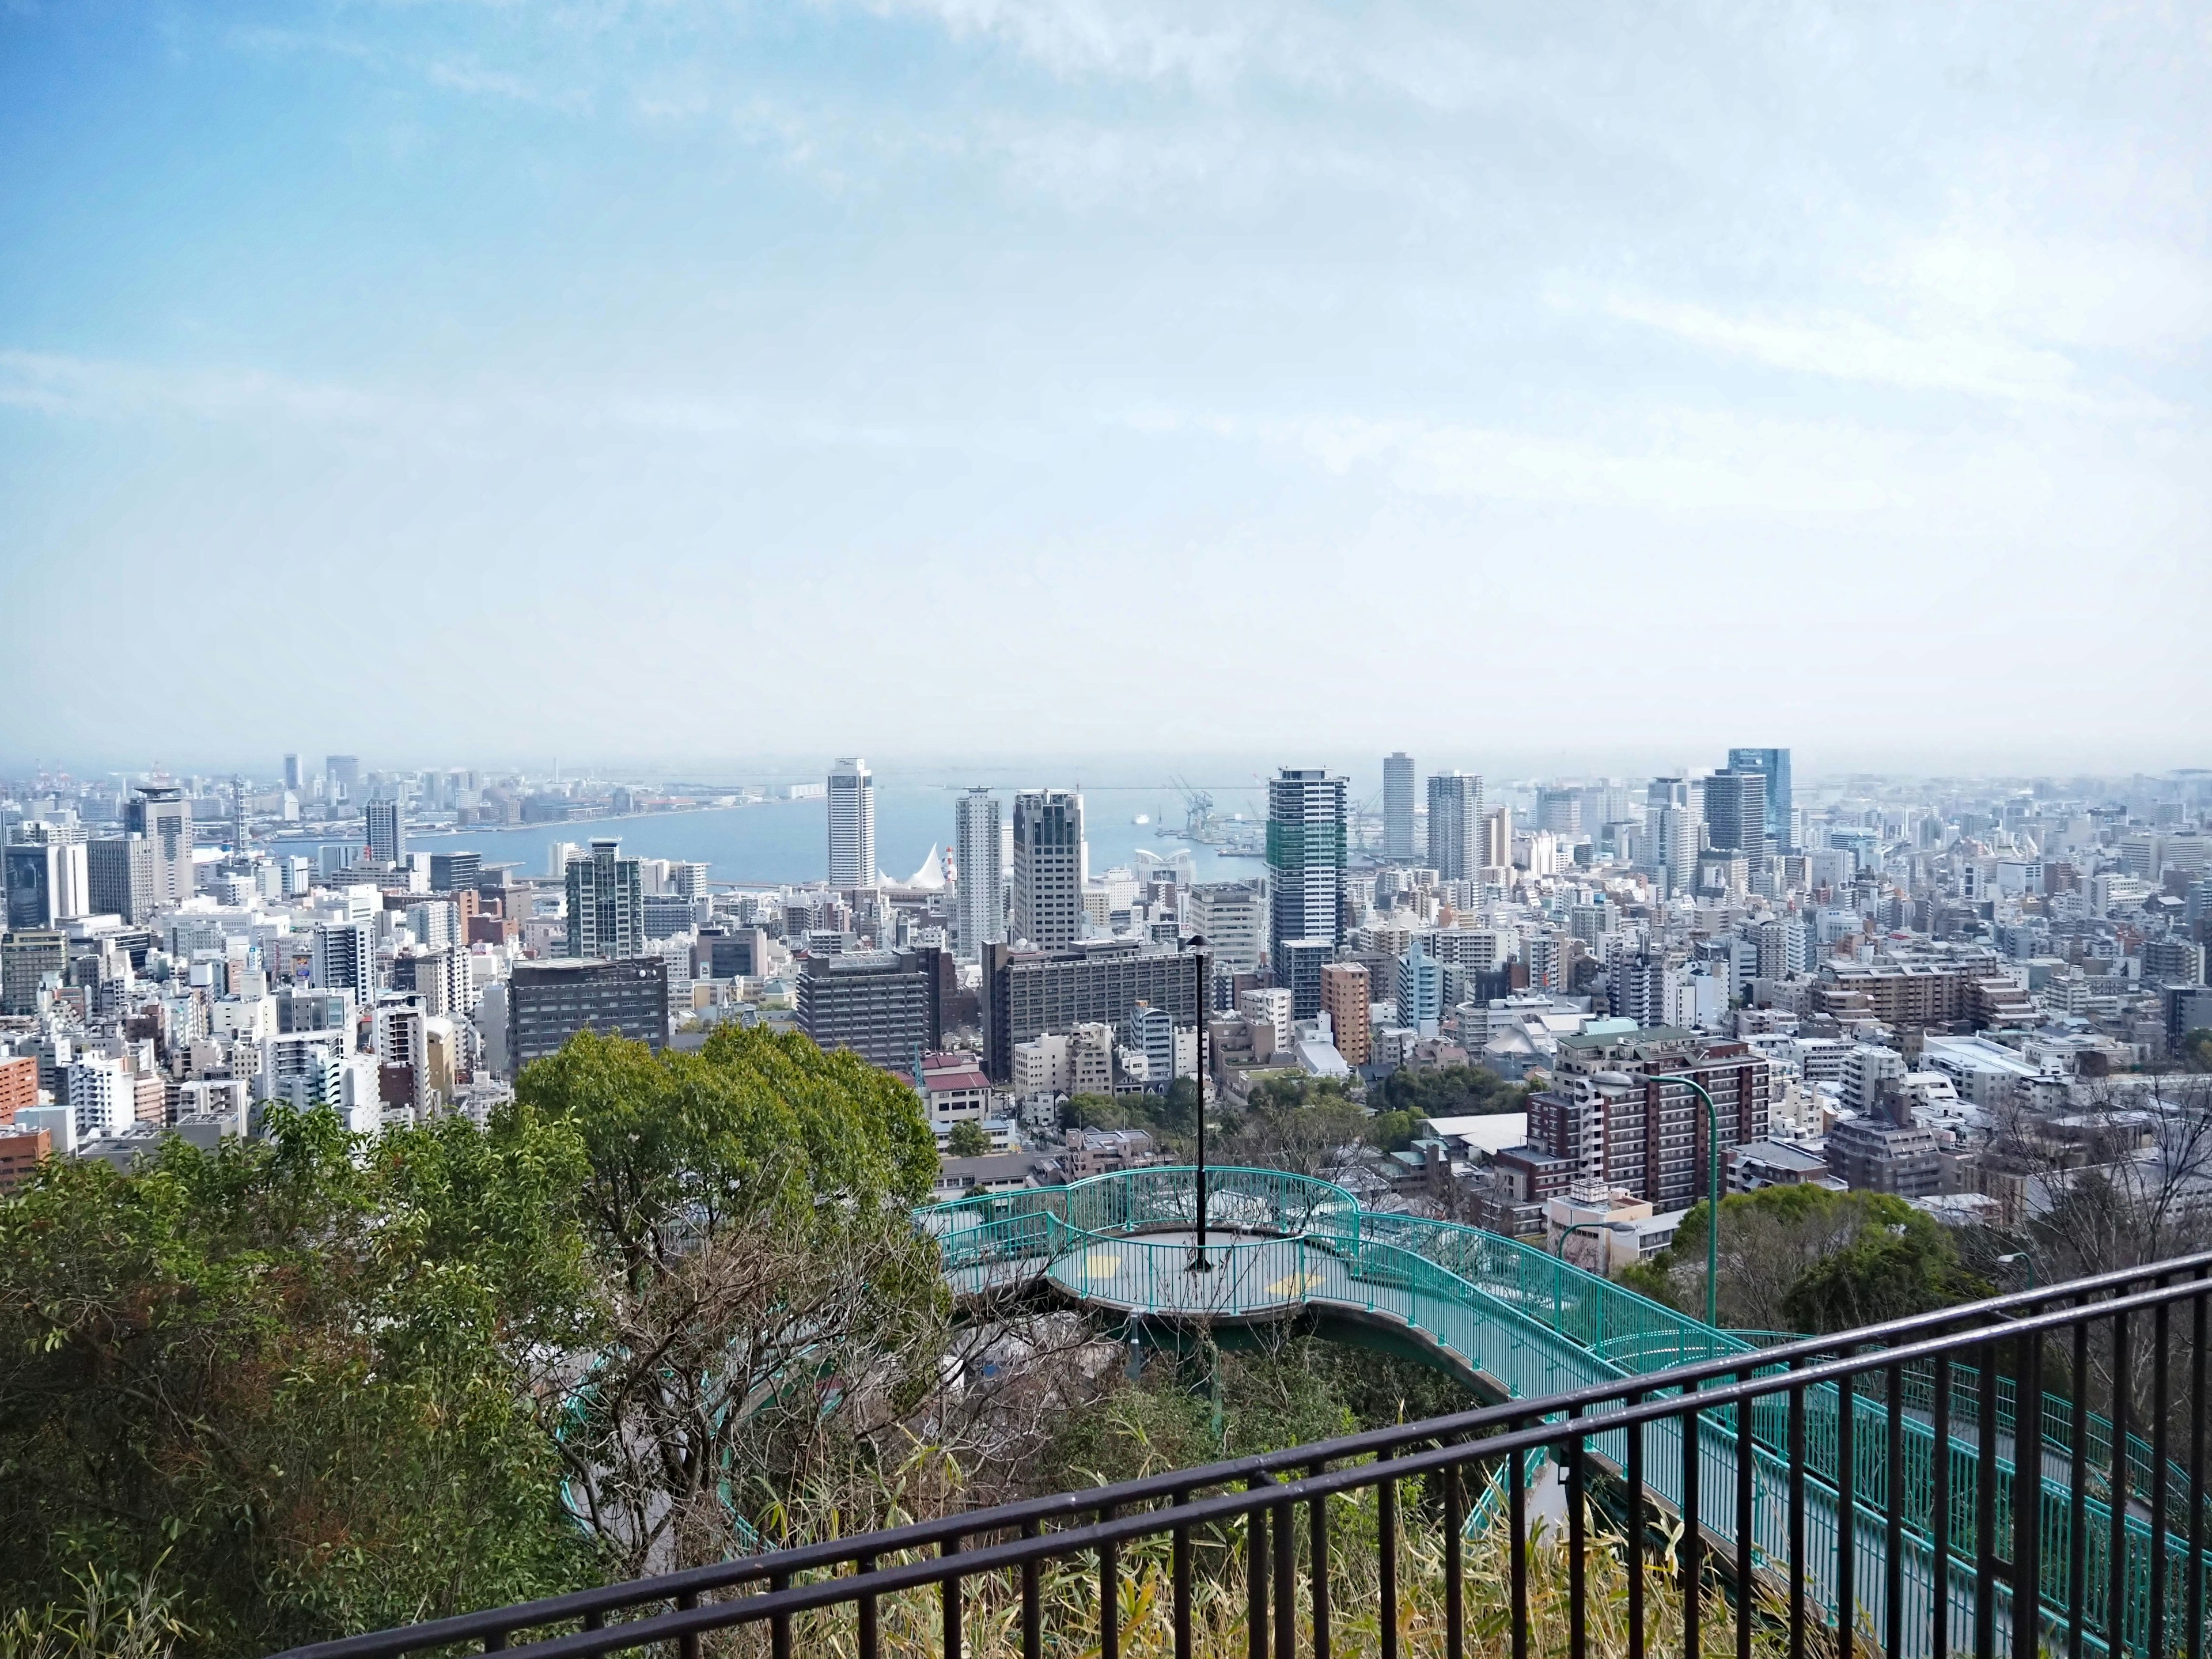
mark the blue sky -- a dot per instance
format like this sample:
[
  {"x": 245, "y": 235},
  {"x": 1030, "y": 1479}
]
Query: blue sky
[{"x": 466, "y": 381}]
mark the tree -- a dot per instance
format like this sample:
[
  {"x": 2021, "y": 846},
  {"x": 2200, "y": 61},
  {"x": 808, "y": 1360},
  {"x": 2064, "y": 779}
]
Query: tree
[
  {"x": 292, "y": 1379},
  {"x": 1306, "y": 1125},
  {"x": 967, "y": 1139},
  {"x": 771, "y": 1314},
  {"x": 1393, "y": 1132},
  {"x": 1450, "y": 1092},
  {"x": 1808, "y": 1258}
]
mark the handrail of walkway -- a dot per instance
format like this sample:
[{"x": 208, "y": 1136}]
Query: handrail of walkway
[
  {"x": 2121, "y": 1600},
  {"x": 1849, "y": 1459}
]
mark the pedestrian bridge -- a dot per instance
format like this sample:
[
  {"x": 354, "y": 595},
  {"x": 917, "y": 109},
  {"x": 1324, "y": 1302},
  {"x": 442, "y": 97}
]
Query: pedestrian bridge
[{"x": 1525, "y": 1325}]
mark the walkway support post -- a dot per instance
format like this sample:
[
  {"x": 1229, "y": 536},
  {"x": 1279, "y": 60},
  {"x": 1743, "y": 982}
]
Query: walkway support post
[{"x": 1713, "y": 1195}]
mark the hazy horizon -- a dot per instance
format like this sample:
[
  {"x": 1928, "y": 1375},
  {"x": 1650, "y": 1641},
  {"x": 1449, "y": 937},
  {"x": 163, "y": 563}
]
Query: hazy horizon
[
  {"x": 1104, "y": 770},
  {"x": 949, "y": 378}
]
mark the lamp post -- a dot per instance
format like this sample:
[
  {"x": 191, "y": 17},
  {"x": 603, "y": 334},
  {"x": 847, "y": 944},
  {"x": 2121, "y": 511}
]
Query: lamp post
[
  {"x": 1713, "y": 1198},
  {"x": 1199, "y": 1264},
  {"x": 2024, "y": 1256}
]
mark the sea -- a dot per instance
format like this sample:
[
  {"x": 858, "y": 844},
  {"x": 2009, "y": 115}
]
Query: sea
[{"x": 774, "y": 843}]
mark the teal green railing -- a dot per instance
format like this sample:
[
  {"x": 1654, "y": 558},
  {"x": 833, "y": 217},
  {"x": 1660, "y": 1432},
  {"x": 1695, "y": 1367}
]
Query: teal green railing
[{"x": 1537, "y": 1326}]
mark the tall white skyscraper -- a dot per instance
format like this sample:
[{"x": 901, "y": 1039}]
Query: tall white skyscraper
[
  {"x": 1456, "y": 837},
  {"x": 852, "y": 825},
  {"x": 1049, "y": 867},
  {"x": 979, "y": 916},
  {"x": 1398, "y": 805},
  {"x": 161, "y": 814}
]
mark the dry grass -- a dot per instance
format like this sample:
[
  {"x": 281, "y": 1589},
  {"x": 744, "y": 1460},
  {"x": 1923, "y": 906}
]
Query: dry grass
[{"x": 911, "y": 1624}]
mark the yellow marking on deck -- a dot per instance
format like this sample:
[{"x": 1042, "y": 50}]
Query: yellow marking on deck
[
  {"x": 1296, "y": 1285},
  {"x": 1102, "y": 1264}
]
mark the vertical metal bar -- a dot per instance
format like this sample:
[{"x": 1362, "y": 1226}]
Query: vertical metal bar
[
  {"x": 688, "y": 1646},
  {"x": 1693, "y": 1538},
  {"x": 1847, "y": 1514},
  {"x": 1635, "y": 1530},
  {"x": 1892, "y": 1562},
  {"x": 1798, "y": 1563},
  {"x": 1386, "y": 1504},
  {"x": 496, "y": 1643},
  {"x": 779, "y": 1625},
  {"x": 595, "y": 1620},
  {"x": 1256, "y": 1575},
  {"x": 1747, "y": 1470},
  {"x": 2200, "y": 1408},
  {"x": 1317, "y": 1545},
  {"x": 1986, "y": 1504},
  {"x": 871, "y": 1637},
  {"x": 2077, "y": 1492},
  {"x": 1517, "y": 1500},
  {"x": 2161, "y": 1350},
  {"x": 2116, "y": 1611},
  {"x": 1032, "y": 1601},
  {"x": 2027, "y": 1499},
  {"x": 1286, "y": 1581},
  {"x": 1181, "y": 1570},
  {"x": 1577, "y": 1544},
  {"x": 950, "y": 1593},
  {"x": 1454, "y": 1607},
  {"x": 1109, "y": 1593},
  {"x": 1939, "y": 1511}
]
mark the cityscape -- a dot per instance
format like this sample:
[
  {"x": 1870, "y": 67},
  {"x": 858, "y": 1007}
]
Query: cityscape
[
  {"x": 1883, "y": 979},
  {"x": 1105, "y": 830}
]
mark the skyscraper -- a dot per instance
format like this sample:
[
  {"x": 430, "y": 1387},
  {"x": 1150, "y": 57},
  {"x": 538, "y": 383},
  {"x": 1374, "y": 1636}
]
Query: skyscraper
[
  {"x": 852, "y": 825},
  {"x": 292, "y": 773},
  {"x": 342, "y": 774},
  {"x": 1305, "y": 879},
  {"x": 1398, "y": 805},
  {"x": 120, "y": 871},
  {"x": 1774, "y": 763},
  {"x": 161, "y": 814},
  {"x": 1048, "y": 867},
  {"x": 1676, "y": 842},
  {"x": 606, "y": 902},
  {"x": 1735, "y": 812},
  {"x": 1456, "y": 837},
  {"x": 33, "y": 883},
  {"x": 387, "y": 836},
  {"x": 979, "y": 916}
]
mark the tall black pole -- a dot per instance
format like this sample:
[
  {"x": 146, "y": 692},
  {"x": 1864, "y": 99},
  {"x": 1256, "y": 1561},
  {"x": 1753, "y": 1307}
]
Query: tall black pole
[{"x": 1199, "y": 1264}]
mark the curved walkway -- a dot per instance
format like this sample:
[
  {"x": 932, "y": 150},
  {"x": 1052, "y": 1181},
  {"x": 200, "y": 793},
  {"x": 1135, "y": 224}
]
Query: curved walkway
[{"x": 1533, "y": 1326}]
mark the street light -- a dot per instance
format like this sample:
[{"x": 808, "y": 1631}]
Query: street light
[
  {"x": 1199, "y": 1264},
  {"x": 1713, "y": 1195},
  {"x": 2027, "y": 1256}
]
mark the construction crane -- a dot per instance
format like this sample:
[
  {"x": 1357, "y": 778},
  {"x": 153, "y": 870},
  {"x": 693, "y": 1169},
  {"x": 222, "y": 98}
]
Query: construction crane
[{"x": 1197, "y": 813}]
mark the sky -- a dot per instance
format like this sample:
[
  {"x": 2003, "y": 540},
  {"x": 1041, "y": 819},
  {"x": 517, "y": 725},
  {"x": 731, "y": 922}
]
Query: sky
[{"x": 463, "y": 381}]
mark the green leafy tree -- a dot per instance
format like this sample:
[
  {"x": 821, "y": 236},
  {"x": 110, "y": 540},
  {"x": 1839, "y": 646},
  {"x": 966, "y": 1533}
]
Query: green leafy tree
[
  {"x": 967, "y": 1141},
  {"x": 1808, "y": 1258},
  {"x": 1393, "y": 1132},
  {"x": 293, "y": 1379},
  {"x": 1450, "y": 1092},
  {"x": 771, "y": 1314}
]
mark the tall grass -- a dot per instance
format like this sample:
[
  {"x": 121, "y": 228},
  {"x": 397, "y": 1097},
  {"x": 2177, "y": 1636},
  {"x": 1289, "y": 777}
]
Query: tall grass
[
  {"x": 912, "y": 1623},
  {"x": 118, "y": 1617}
]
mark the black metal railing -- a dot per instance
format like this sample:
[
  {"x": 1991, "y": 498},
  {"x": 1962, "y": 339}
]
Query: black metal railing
[{"x": 2021, "y": 1475}]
